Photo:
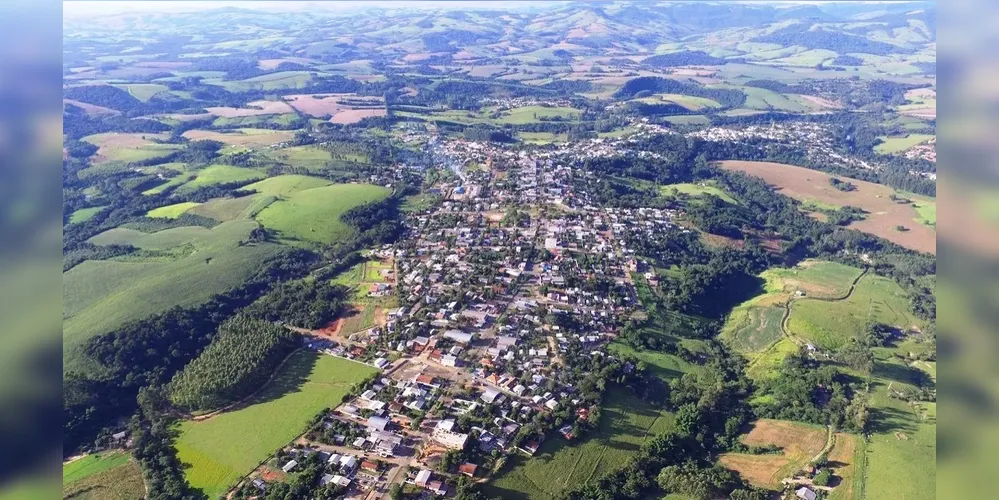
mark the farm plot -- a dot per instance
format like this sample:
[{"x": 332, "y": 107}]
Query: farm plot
[
  {"x": 310, "y": 158},
  {"x": 212, "y": 174},
  {"x": 99, "y": 296},
  {"x": 114, "y": 146},
  {"x": 85, "y": 214},
  {"x": 172, "y": 211},
  {"x": 255, "y": 108},
  {"x": 103, "y": 476},
  {"x": 286, "y": 185},
  {"x": 799, "y": 442},
  {"x": 830, "y": 324},
  {"x": 272, "y": 81},
  {"x": 313, "y": 215},
  {"x": 894, "y": 145},
  {"x": 625, "y": 423},
  {"x": 342, "y": 108},
  {"x": 226, "y": 209},
  {"x": 244, "y": 137},
  {"x": 884, "y": 215},
  {"x": 216, "y": 452},
  {"x": 143, "y": 91},
  {"x": 695, "y": 190}
]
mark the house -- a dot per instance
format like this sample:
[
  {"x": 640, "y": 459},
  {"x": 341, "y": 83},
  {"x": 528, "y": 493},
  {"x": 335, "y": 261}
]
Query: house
[
  {"x": 259, "y": 484},
  {"x": 566, "y": 432},
  {"x": 377, "y": 423},
  {"x": 348, "y": 464},
  {"x": 369, "y": 466},
  {"x": 458, "y": 336},
  {"x": 468, "y": 469},
  {"x": 804, "y": 493},
  {"x": 449, "y": 360},
  {"x": 491, "y": 396},
  {"x": 423, "y": 477},
  {"x": 445, "y": 436},
  {"x": 290, "y": 466},
  {"x": 437, "y": 487}
]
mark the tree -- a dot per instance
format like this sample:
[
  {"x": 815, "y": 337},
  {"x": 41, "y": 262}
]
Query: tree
[
  {"x": 857, "y": 356},
  {"x": 823, "y": 478},
  {"x": 395, "y": 492}
]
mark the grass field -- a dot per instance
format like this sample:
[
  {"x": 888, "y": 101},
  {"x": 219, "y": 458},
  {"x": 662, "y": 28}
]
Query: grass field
[
  {"x": 308, "y": 157},
  {"x": 530, "y": 114},
  {"x": 800, "y": 443},
  {"x": 226, "y": 209},
  {"x": 752, "y": 329},
  {"x": 84, "y": 214},
  {"x": 665, "y": 366},
  {"x": 99, "y": 296},
  {"x": 831, "y": 324},
  {"x": 542, "y": 137},
  {"x": 313, "y": 215},
  {"x": 172, "y": 211},
  {"x": 113, "y": 146},
  {"x": 765, "y": 365},
  {"x": 104, "y": 476},
  {"x": 271, "y": 81},
  {"x": 285, "y": 185},
  {"x": 212, "y": 174},
  {"x": 892, "y": 145},
  {"x": 218, "y": 451},
  {"x": 693, "y": 190},
  {"x": 143, "y": 91},
  {"x": 242, "y": 137},
  {"x": 625, "y": 423}
]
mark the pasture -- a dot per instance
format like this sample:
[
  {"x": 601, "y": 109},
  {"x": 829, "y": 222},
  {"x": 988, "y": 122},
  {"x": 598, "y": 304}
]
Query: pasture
[
  {"x": 212, "y": 174},
  {"x": 216, "y": 451},
  {"x": 313, "y": 215},
  {"x": 104, "y": 476},
  {"x": 893, "y": 145},
  {"x": 884, "y": 214},
  {"x": 189, "y": 265},
  {"x": 665, "y": 366},
  {"x": 226, "y": 209},
  {"x": 122, "y": 147},
  {"x": 800, "y": 443},
  {"x": 626, "y": 422},
  {"x": 310, "y": 158},
  {"x": 695, "y": 190},
  {"x": 172, "y": 211},
  {"x": 271, "y": 81},
  {"x": 143, "y": 91},
  {"x": 244, "y": 137},
  {"x": 85, "y": 214},
  {"x": 830, "y": 324},
  {"x": 286, "y": 185}
]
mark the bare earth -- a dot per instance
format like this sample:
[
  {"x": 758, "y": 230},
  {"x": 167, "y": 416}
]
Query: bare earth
[
  {"x": 342, "y": 107},
  {"x": 799, "y": 443},
  {"x": 805, "y": 184}
]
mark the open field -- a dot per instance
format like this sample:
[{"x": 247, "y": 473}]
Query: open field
[
  {"x": 226, "y": 209},
  {"x": 804, "y": 184},
  {"x": 765, "y": 365},
  {"x": 255, "y": 108},
  {"x": 172, "y": 211},
  {"x": 625, "y": 423},
  {"x": 286, "y": 185},
  {"x": 217, "y": 452},
  {"x": 752, "y": 329},
  {"x": 313, "y": 215},
  {"x": 114, "y": 146},
  {"x": 257, "y": 137},
  {"x": 84, "y": 214},
  {"x": 271, "y": 81},
  {"x": 91, "y": 109},
  {"x": 892, "y": 145},
  {"x": 800, "y": 443},
  {"x": 143, "y": 91},
  {"x": 847, "y": 460},
  {"x": 694, "y": 190},
  {"x": 110, "y": 476},
  {"x": 212, "y": 174},
  {"x": 829, "y": 325},
  {"x": 690, "y": 102},
  {"x": 665, "y": 366},
  {"x": 342, "y": 108},
  {"x": 99, "y": 296},
  {"x": 311, "y": 158}
]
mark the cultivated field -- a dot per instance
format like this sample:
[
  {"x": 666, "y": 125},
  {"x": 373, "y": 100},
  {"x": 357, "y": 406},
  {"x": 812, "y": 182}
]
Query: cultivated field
[
  {"x": 216, "y": 452},
  {"x": 84, "y": 214},
  {"x": 892, "y": 145},
  {"x": 313, "y": 215},
  {"x": 114, "y": 146},
  {"x": 172, "y": 211},
  {"x": 884, "y": 215},
  {"x": 191, "y": 264},
  {"x": 255, "y": 108},
  {"x": 625, "y": 423},
  {"x": 800, "y": 443},
  {"x": 226, "y": 209},
  {"x": 212, "y": 174},
  {"x": 309, "y": 157},
  {"x": 285, "y": 185},
  {"x": 693, "y": 190},
  {"x": 257, "y": 137},
  {"x": 103, "y": 476},
  {"x": 343, "y": 108}
]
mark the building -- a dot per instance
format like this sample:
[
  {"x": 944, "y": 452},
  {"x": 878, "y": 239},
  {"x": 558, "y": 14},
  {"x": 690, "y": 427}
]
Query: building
[
  {"x": 491, "y": 396},
  {"x": 468, "y": 469},
  {"x": 423, "y": 478},
  {"x": 446, "y": 437},
  {"x": 377, "y": 424},
  {"x": 290, "y": 466},
  {"x": 804, "y": 493}
]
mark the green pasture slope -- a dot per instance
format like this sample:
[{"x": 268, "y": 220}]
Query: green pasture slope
[
  {"x": 92, "y": 464},
  {"x": 626, "y": 422},
  {"x": 103, "y": 476},
  {"x": 694, "y": 190},
  {"x": 172, "y": 211},
  {"x": 313, "y": 215},
  {"x": 218, "y": 451},
  {"x": 184, "y": 266}
]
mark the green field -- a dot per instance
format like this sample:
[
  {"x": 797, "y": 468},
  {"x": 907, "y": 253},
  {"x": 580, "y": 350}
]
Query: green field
[
  {"x": 831, "y": 324},
  {"x": 226, "y": 209},
  {"x": 172, "y": 211},
  {"x": 271, "y": 81},
  {"x": 285, "y": 185},
  {"x": 891, "y": 145},
  {"x": 752, "y": 329},
  {"x": 92, "y": 464},
  {"x": 531, "y": 114},
  {"x": 143, "y": 91},
  {"x": 665, "y": 366},
  {"x": 212, "y": 174},
  {"x": 194, "y": 264},
  {"x": 85, "y": 214},
  {"x": 901, "y": 453},
  {"x": 313, "y": 215},
  {"x": 104, "y": 476},
  {"x": 218, "y": 451},
  {"x": 767, "y": 364},
  {"x": 692, "y": 189},
  {"x": 129, "y": 147},
  {"x": 542, "y": 137},
  {"x": 626, "y": 422},
  {"x": 308, "y": 157},
  {"x": 688, "y": 120},
  {"x": 690, "y": 102}
]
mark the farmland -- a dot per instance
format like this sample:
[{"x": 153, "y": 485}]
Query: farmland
[
  {"x": 313, "y": 215},
  {"x": 113, "y": 146},
  {"x": 694, "y": 190},
  {"x": 212, "y": 174},
  {"x": 216, "y": 450},
  {"x": 799, "y": 442},
  {"x": 892, "y": 145},
  {"x": 104, "y": 476},
  {"x": 196, "y": 264},
  {"x": 255, "y": 108},
  {"x": 172, "y": 211},
  {"x": 226, "y": 209},
  {"x": 625, "y": 423},
  {"x": 342, "y": 108},
  {"x": 254, "y": 137},
  {"x": 84, "y": 214},
  {"x": 884, "y": 214}
]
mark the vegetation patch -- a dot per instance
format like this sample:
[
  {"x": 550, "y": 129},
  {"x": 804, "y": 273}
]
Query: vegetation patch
[
  {"x": 313, "y": 215},
  {"x": 799, "y": 444},
  {"x": 111, "y": 476},
  {"x": 85, "y": 214},
  {"x": 172, "y": 211},
  {"x": 216, "y": 451}
]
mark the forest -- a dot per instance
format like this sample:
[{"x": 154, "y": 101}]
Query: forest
[{"x": 242, "y": 354}]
